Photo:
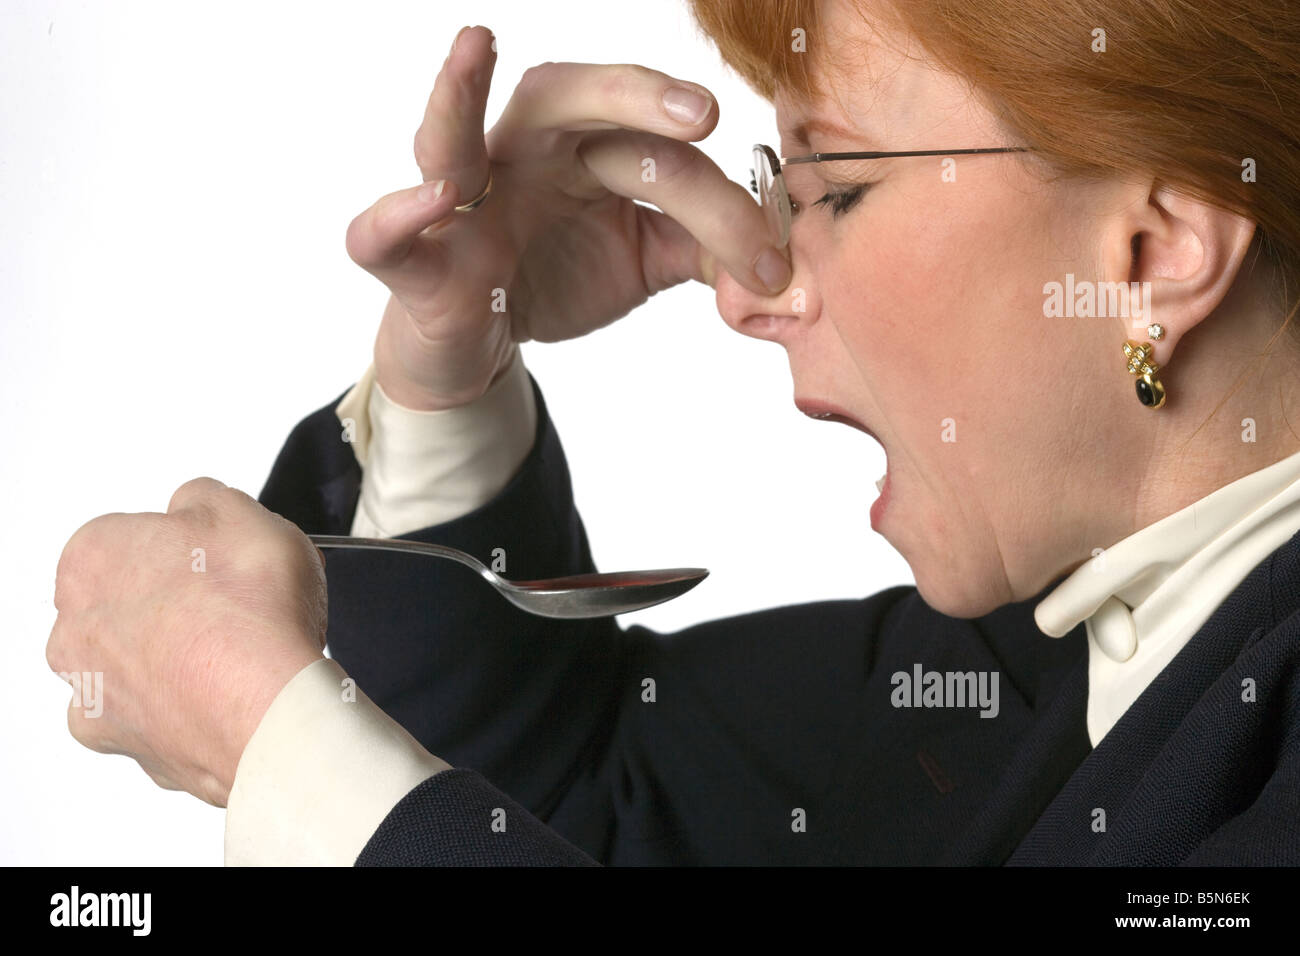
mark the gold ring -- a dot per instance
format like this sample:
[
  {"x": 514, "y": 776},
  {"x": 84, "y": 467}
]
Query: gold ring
[{"x": 477, "y": 200}]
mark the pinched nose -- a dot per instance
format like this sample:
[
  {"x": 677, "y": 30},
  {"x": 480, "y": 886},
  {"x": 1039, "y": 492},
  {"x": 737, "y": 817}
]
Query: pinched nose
[{"x": 773, "y": 317}]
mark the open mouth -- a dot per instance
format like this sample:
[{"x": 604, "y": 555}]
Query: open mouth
[{"x": 826, "y": 412}]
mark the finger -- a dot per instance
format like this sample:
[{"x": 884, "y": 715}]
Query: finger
[
  {"x": 691, "y": 189},
  {"x": 195, "y": 492},
  {"x": 670, "y": 254},
  {"x": 90, "y": 732},
  {"x": 593, "y": 96},
  {"x": 449, "y": 143},
  {"x": 58, "y": 649},
  {"x": 158, "y": 775},
  {"x": 73, "y": 573},
  {"x": 380, "y": 240},
  {"x": 86, "y": 556}
]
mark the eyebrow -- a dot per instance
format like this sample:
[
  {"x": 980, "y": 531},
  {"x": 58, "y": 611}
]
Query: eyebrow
[{"x": 800, "y": 132}]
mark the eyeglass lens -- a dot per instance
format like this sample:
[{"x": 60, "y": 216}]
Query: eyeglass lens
[{"x": 772, "y": 197}]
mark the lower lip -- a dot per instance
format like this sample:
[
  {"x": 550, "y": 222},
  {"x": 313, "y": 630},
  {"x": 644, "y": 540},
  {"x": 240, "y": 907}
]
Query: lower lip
[{"x": 878, "y": 508}]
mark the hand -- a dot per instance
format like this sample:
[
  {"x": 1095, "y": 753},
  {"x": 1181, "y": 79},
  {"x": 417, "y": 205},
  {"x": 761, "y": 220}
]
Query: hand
[
  {"x": 196, "y": 619},
  {"x": 558, "y": 244}
]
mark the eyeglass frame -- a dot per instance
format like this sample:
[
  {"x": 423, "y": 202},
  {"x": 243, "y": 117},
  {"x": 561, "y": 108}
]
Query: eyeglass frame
[{"x": 788, "y": 208}]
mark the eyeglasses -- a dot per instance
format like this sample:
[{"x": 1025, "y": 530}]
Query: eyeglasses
[{"x": 767, "y": 180}]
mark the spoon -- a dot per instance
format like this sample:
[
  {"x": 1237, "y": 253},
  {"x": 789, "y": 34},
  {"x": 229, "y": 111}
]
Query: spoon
[{"x": 577, "y": 595}]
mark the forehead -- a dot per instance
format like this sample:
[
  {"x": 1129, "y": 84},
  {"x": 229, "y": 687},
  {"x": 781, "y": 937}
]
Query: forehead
[{"x": 883, "y": 90}]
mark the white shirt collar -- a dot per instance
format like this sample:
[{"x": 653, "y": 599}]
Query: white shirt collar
[{"x": 1144, "y": 597}]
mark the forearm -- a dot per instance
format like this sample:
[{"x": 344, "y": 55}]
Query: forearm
[
  {"x": 323, "y": 769},
  {"x": 476, "y": 681},
  {"x": 328, "y": 779}
]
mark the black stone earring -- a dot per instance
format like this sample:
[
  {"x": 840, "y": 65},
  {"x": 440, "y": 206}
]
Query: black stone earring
[{"x": 1149, "y": 390}]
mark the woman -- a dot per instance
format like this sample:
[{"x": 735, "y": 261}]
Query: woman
[{"x": 1115, "y": 471}]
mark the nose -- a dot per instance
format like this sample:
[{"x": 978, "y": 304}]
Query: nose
[{"x": 775, "y": 318}]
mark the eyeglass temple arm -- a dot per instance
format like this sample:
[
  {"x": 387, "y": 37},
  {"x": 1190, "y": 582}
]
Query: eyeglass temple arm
[{"x": 823, "y": 157}]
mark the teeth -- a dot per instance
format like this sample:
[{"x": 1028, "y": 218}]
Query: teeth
[{"x": 880, "y": 483}]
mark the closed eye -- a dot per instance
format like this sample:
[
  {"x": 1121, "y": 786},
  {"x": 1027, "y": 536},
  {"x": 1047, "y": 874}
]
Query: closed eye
[{"x": 841, "y": 201}]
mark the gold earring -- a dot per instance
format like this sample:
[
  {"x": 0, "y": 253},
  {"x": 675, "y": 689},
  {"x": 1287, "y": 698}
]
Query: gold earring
[{"x": 1149, "y": 390}]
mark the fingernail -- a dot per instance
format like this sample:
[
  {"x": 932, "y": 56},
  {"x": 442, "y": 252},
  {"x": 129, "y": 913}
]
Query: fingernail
[
  {"x": 431, "y": 190},
  {"x": 772, "y": 269},
  {"x": 686, "y": 106}
]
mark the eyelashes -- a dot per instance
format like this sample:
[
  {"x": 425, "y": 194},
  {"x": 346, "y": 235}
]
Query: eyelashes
[{"x": 840, "y": 201}]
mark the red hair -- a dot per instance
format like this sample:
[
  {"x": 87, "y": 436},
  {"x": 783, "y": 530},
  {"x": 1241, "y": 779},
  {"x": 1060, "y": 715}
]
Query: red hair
[{"x": 1185, "y": 91}]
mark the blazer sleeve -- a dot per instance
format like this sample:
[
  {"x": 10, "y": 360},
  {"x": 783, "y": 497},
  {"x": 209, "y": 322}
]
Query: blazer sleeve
[{"x": 457, "y": 818}]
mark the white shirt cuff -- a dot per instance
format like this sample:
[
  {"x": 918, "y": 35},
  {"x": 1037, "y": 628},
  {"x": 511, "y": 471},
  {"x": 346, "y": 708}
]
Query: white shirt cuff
[
  {"x": 323, "y": 769},
  {"x": 421, "y": 469}
]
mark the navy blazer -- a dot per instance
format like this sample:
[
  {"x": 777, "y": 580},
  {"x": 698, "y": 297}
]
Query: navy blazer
[{"x": 773, "y": 737}]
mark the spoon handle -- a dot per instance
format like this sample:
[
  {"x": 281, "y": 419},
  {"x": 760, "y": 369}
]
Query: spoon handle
[{"x": 399, "y": 545}]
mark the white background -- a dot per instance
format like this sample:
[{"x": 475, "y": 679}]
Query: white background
[{"x": 175, "y": 184}]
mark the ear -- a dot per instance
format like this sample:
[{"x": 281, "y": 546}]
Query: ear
[{"x": 1189, "y": 252}]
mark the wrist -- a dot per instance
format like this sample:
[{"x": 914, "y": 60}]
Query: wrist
[
  {"x": 433, "y": 374},
  {"x": 403, "y": 389}
]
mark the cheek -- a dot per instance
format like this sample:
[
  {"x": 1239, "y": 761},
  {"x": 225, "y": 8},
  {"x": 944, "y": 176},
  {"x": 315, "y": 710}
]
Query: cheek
[
  {"x": 935, "y": 296},
  {"x": 903, "y": 300}
]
